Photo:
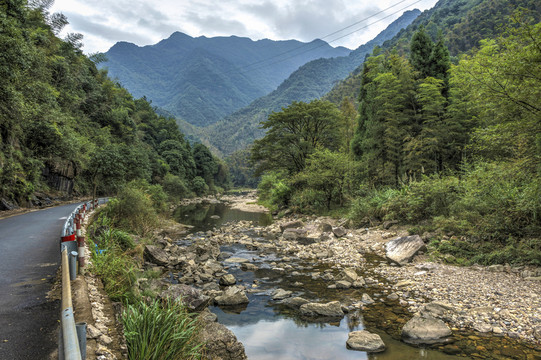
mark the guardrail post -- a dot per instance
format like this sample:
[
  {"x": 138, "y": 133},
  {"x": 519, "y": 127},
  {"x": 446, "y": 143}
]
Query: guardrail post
[
  {"x": 69, "y": 332},
  {"x": 73, "y": 265},
  {"x": 81, "y": 336}
]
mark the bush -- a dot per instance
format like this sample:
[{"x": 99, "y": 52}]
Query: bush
[
  {"x": 175, "y": 187},
  {"x": 133, "y": 210},
  {"x": 160, "y": 331},
  {"x": 273, "y": 190},
  {"x": 308, "y": 201},
  {"x": 200, "y": 186}
]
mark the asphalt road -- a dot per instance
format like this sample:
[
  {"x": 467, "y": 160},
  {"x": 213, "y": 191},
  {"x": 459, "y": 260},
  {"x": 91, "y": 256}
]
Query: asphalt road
[{"x": 29, "y": 259}]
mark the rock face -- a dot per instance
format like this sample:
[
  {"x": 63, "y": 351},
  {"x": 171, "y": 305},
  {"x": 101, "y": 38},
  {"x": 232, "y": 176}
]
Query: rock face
[
  {"x": 233, "y": 295},
  {"x": 425, "y": 330},
  {"x": 401, "y": 250},
  {"x": 365, "y": 341},
  {"x": 331, "y": 309},
  {"x": 191, "y": 297},
  {"x": 220, "y": 343},
  {"x": 156, "y": 255}
]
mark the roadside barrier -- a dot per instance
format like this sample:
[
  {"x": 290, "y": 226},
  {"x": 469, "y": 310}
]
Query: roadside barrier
[{"x": 72, "y": 338}]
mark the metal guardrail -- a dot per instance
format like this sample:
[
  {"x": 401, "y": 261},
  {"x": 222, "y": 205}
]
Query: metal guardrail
[{"x": 72, "y": 342}]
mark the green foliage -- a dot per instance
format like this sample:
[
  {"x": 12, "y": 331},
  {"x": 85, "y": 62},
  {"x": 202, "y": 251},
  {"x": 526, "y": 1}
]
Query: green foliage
[
  {"x": 65, "y": 125},
  {"x": 325, "y": 175},
  {"x": 160, "y": 330},
  {"x": 293, "y": 135},
  {"x": 175, "y": 188},
  {"x": 133, "y": 209},
  {"x": 273, "y": 190},
  {"x": 199, "y": 186}
]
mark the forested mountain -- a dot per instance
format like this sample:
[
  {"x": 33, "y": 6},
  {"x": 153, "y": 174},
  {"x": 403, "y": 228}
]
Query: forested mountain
[
  {"x": 65, "y": 126},
  {"x": 201, "y": 80},
  {"x": 310, "y": 81},
  {"x": 462, "y": 24},
  {"x": 451, "y": 147}
]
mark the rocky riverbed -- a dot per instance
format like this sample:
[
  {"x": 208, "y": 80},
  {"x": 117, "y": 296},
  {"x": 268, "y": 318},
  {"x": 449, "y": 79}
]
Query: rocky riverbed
[{"x": 459, "y": 310}]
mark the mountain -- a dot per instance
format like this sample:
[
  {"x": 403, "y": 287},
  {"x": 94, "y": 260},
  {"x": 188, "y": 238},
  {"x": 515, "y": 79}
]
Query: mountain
[
  {"x": 311, "y": 81},
  {"x": 462, "y": 23},
  {"x": 202, "y": 79}
]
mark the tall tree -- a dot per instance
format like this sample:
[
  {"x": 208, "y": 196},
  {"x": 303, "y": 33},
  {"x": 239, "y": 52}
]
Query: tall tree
[
  {"x": 294, "y": 133},
  {"x": 420, "y": 53}
]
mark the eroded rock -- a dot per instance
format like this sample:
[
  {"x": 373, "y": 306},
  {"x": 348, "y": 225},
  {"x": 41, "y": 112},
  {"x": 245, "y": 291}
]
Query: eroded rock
[
  {"x": 425, "y": 330},
  {"x": 401, "y": 250},
  {"x": 365, "y": 341}
]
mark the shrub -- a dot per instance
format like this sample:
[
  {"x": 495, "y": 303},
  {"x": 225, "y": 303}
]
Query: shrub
[
  {"x": 175, "y": 187},
  {"x": 200, "y": 186},
  {"x": 309, "y": 201},
  {"x": 159, "y": 331},
  {"x": 273, "y": 190},
  {"x": 133, "y": 210}
]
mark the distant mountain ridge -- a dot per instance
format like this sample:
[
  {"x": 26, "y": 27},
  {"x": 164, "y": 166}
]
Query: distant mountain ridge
[
  {"x": 311, "y": 81},
  {"x": 202, "y": 79}
]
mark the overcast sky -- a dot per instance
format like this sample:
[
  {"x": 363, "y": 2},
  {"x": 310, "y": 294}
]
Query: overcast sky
[{"x": 145, "y": 22}]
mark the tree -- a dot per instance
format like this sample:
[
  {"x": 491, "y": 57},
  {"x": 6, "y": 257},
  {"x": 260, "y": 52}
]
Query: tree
[
  {"x": 326, "y": 171},
  {"x": 420, "y": 52},
  {"x": 205, "y": 165},
  {"x": 294, "y": 133}
]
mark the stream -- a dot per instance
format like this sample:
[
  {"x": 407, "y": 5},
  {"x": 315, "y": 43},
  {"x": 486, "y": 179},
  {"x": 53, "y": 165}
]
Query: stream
[{"x": 269, "y": 329}]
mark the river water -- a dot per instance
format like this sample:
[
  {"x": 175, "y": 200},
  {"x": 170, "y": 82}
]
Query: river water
[{"x": 270, "y": 330}]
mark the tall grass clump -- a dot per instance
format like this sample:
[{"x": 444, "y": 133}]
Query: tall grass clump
[{"x": 160, "y": 331}]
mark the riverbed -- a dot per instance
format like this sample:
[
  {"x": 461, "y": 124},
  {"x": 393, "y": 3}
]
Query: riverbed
[{"x": 270, "y": 329}]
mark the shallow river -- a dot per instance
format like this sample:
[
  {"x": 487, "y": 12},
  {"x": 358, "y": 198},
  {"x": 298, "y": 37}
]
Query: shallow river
[{"x": 270, "y": 330}]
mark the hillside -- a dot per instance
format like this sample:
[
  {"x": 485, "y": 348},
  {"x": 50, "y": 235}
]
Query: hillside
[
  {"x": 202, "y": 79},
  {"x": 67, "y": 128},
  {"x": 462, "y": 23},
  {"x": 310, "y": 81}
]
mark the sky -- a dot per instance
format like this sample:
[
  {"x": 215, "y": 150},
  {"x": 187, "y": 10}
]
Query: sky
[{"x": 145, "y": 22}]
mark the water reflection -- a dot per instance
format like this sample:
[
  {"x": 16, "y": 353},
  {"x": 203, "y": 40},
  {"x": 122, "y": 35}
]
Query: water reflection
[{"x": 206, "y": 216}]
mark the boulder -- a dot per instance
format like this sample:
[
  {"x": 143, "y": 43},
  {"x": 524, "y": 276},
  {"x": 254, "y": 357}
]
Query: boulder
[
  {"x": 349, "y": 275},
  {"x": 401, "y": 250},
  {"x": 366, "y": 299},
  {"x": 342, "y": 284},
  {"x": 339, "y": 231},
  {"x": 227, "y": 280},
  {"x": 233, "y": 295},
  {"x": 295, "y": 302},
  {"x": 220, "y": 342},
  {"x": 248, "y": 267},
  {"x": 280, "y": 294},
  {"x": 300, "y": 236},
  {"x": 365, "y": 341},
  {"x": 156, "y": 255},
  {"x": 331, "y": 309},
  {"x": 236, "y": 260},
  {"x": 291, "y": 225},
  {"x": 425, "y": 330},
  {"x": 325, "y": 227},
  {"x": 191, "y": 297}
]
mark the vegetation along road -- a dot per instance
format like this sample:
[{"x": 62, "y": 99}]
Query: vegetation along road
[{"x": 29, "y": 259}]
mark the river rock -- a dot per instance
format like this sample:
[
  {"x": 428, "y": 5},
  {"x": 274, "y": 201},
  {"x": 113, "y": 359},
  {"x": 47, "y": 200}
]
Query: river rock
[
  {"x": 401, "y": 250},
  {"x": 291, "y": 225},
  {"x": 366, "y": 299},
  {"x": 191, "y": 297},
  {"x": 425, "y": 330},
  {"x": 227, "y": 280},
  {"x": 155, "y": 255},
  {"x": 342, "y": 284},
  {"x": 330, "y": 309},
  {"x": 349, "y": 275},
  {"x": 339, "y": 231},
  {"x": 365, "y": 341},
  {"x": 295, "y": 302},
  {"x": 280, "y": 294},
  {"x": 220, "y": 342},
  {"x": 248, "y": 267},
  {"x": 236, "y": 260},
  {"x": 233, "y": 295},
  {"x": 325, "y": 227}
]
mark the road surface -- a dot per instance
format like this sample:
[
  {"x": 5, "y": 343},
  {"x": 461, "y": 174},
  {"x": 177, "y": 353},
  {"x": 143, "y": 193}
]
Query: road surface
[{"x": 29, "y": 260}]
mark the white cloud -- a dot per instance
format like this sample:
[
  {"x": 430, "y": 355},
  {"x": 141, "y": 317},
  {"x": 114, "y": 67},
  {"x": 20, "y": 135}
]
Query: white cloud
[{"x": 144, "y": 22}]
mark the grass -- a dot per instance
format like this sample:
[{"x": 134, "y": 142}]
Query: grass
[{"x": 160, "y": 331}]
